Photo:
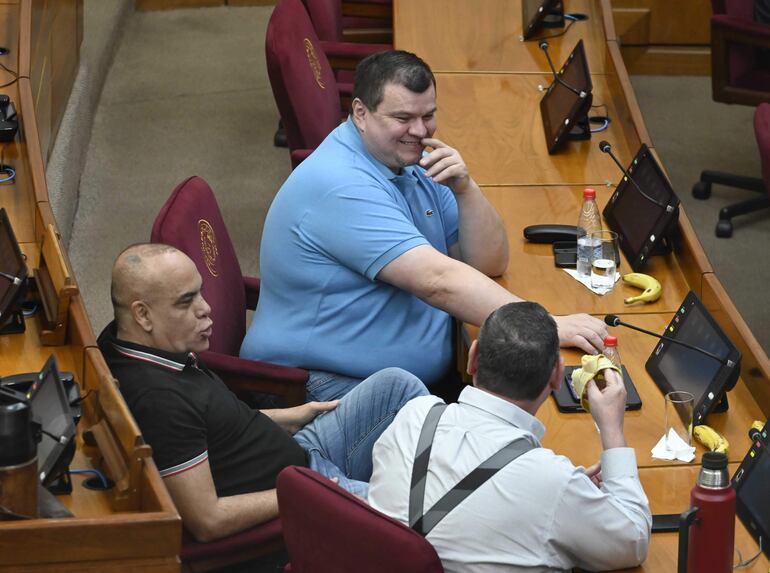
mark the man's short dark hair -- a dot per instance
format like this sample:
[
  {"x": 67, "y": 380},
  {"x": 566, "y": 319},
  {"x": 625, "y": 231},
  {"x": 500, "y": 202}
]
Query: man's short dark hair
[
  {"x": 393, "y": 66},
  {"x": 518, "y": 347}
]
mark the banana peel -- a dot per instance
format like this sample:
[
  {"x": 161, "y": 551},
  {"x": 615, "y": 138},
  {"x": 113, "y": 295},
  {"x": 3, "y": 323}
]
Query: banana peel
[
  {"x": 711, "y": 439},
  {"x": 652, "y": 288}
]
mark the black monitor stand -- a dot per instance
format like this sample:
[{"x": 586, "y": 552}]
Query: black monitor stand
[
  {"x": 15, "y": 324},
  {"x": 555, "y": 17},
  {"x": 581, "y": 130}
]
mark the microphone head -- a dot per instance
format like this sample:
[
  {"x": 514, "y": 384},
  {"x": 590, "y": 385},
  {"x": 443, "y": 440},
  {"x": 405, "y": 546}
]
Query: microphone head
[
  {"x": 611, "y": 320},
  {"x": 543, "y": 45},
  {"x": 604, "y": 145},
  {"x": 755, "y": 435}
]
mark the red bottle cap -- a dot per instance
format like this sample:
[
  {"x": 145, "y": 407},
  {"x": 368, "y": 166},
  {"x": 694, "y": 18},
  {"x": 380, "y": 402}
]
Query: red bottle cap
[
  {"x": 610, "y": 341},
  {"x": 589, "y": 194}
]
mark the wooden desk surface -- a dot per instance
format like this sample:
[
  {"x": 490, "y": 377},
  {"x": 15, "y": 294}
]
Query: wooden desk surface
[
  {"x": 575, "y": 434},
  {"x": 531, "y": 272},
  {"x": 494, "y": 121},
  {"x": 668, "y": 490},
  {"x": 484, "y": 36}
]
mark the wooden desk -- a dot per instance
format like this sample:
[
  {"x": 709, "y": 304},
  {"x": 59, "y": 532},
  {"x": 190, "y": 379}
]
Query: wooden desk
[
  {"x": 494, "y": 120},
  {"x": 531, "y": 272},
  {"x": 484, "y": 36},
  {"x": 668, "y": 490},
  {"x": 134, "y": 525}
]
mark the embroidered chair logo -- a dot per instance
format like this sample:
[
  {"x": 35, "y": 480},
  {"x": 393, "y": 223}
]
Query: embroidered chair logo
[
  {"x": 312, "y": 59},
  {"x": 208, "y": 246}
]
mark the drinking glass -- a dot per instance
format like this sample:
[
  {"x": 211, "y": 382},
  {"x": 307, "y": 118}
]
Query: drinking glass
[
  {"x": 603, "y": 256},
  {"x": 679, "y": 410}
]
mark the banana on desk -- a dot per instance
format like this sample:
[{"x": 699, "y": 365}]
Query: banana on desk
[
  {"x": 652, "y": 288},
  {"x": 711, "y": 439}
]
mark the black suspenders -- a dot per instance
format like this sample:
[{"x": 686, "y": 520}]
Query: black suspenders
[{"x": 423, "y": 523}]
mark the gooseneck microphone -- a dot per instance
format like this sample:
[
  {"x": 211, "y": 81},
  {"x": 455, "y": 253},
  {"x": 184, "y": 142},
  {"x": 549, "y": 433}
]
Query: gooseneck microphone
[
  {"x": 605, "y": 147},
  {"x": 614, "y": 320},
  {"x": 15, "y": 280},
  {"x": 544, "y": 46}
]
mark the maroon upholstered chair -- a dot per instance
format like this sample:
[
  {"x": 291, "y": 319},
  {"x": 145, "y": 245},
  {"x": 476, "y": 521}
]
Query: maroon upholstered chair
[
  {"x": 740, "y": 54},
  {"x": 303, "y": 83},
  {"x": 328, "y": 530},
  {"x": 261, "y": 540},
  {"x": 190, "y": 220},
  {"x": 702, "y": 189}
]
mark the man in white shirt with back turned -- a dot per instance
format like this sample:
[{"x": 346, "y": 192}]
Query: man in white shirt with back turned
[{"x": 538, "y": 512}]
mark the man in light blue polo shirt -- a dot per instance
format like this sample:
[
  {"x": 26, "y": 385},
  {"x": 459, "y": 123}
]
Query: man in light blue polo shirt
[{"x": 372, "y": 243}]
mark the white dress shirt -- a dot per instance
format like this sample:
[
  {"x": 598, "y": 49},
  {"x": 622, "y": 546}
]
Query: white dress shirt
[{"x": 538, "y": 513}]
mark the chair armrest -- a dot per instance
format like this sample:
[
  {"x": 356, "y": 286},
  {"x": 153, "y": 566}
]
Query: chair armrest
[
  {"x": 252, "y": 285},
  {"x": 737, "y": 31},
  {"x": 241, "y": 374},
  {"x": 297, "y": 156}
]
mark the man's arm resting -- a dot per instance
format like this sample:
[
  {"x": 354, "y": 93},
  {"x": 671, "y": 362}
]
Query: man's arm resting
[
  {"x": 471, "y": 297},
  {"x": 209, "y": 517}
]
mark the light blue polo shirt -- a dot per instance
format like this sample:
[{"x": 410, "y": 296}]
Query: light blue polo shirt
[{"x": 336, "y": 222}]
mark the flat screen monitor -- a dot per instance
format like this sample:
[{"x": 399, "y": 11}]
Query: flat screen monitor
[
  {"x": 752, "y": 488},
  {"x": 642, "y": 219},
  {"x": 539, "y": 14},
  {"x": 51, "y": 409},
  {"x": 565, "y": 105},
  {"x": 13, "y": 272},
  {"x": 677, "y": 368}
]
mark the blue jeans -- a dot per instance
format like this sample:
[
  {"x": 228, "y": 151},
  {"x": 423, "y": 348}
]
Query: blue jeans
[
  {"x": 323, "y": 386},
  {"x": 339, "y": 443}
]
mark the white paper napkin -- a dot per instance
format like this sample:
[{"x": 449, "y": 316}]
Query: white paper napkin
[
  {"x": 678, "y": 448},
  {"x": 586, "y": 282}
]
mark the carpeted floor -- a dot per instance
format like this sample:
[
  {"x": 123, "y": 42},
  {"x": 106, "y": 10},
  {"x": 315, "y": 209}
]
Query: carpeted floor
[{"x": 188, "y": 95}]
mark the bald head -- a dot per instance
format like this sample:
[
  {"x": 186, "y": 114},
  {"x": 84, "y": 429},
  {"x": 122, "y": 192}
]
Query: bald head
[{"x": 156, "y": 296}]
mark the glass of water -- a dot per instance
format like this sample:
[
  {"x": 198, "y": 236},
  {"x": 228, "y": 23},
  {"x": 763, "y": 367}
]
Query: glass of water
[{"x": 603, "y": 259}]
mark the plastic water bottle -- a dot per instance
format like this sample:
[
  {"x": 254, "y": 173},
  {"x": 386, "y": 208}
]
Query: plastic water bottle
[
  {"x": 707, "y": 529},
  {"x": 611, "y": 350},
  {"x": 589, "y": 221}
]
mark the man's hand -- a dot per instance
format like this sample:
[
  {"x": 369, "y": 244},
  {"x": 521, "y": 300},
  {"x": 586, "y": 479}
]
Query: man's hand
[
  {"x": 594, "y": 473},
  {"x": 294, "y": 419},
  {"x": 608, "y": 406},
  {"x": 445, "y": 165},
  {"x": 582, "y": 331}
]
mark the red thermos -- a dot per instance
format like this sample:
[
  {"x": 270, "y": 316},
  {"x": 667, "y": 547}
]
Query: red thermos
[{"x": 707, "y": 529}]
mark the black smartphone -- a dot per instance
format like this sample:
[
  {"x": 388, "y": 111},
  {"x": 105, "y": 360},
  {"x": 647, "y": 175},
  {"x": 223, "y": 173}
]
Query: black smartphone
[{"x": 564, "y": 259}]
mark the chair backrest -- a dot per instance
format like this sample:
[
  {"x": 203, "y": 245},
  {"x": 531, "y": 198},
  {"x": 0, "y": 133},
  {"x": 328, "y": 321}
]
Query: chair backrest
[
  {"x": 326, "y": 16},
  {"x": 190, "y": 220},
  {"x": 302, "y": 80},
  {"x": 741, "y": 9},
  {"x": 326, "y": 529},
  {"x": 762, "y": 133}
]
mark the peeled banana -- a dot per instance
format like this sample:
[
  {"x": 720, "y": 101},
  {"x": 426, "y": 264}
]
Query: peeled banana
[
  {"x": 711, "y": 439},
  {"x": 651, "y": 286}
]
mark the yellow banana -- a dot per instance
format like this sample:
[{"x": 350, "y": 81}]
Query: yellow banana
[
  {"x": 652, "y": 288},
  {"x": 711, "y": 439},
  {"x": 757, "y": 425}
]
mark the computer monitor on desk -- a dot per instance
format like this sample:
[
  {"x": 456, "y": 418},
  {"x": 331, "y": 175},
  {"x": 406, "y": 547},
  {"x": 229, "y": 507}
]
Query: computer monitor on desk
[
  {"x": 13, "y": 278},
  {"x": 565, "y": 105},
  {"x": 539, "y": 14}
]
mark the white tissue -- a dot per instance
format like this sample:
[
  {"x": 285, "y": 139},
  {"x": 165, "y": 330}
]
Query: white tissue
[{"x": 676, "y": 448}]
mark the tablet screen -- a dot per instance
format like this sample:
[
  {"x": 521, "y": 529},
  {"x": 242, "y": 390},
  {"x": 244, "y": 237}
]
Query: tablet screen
[
  {"x": 675, "y": 367},
  {"x": 642, "y": 220}
]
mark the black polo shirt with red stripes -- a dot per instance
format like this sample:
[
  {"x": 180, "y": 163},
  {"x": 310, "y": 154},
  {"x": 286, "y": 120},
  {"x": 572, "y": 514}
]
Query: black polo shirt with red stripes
[{"x": 188, "y": 415}]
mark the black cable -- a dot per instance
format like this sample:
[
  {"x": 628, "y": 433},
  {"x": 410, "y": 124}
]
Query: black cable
[{"x": 564, "y": 31}]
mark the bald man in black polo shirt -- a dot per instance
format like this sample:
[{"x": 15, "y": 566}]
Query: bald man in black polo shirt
[{"x": 219, "y": 458}]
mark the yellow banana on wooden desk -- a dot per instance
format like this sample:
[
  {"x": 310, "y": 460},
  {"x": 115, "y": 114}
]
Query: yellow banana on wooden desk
[
  {"x": 711, "y": 439},
  {"x": 652, "y": 288}
]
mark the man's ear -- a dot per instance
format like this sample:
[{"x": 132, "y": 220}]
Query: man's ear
[
  {"x": 473, "y": 358},
  {"x": 359, "y": 111},
  {"x": 140, "y": 312},
  {"x": 557, "y": 374}
]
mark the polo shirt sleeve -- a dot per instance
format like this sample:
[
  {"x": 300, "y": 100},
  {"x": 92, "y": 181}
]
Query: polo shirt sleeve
[
  {"x": 361, "y": 227},
  {"x": 174, "y": 429}
]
